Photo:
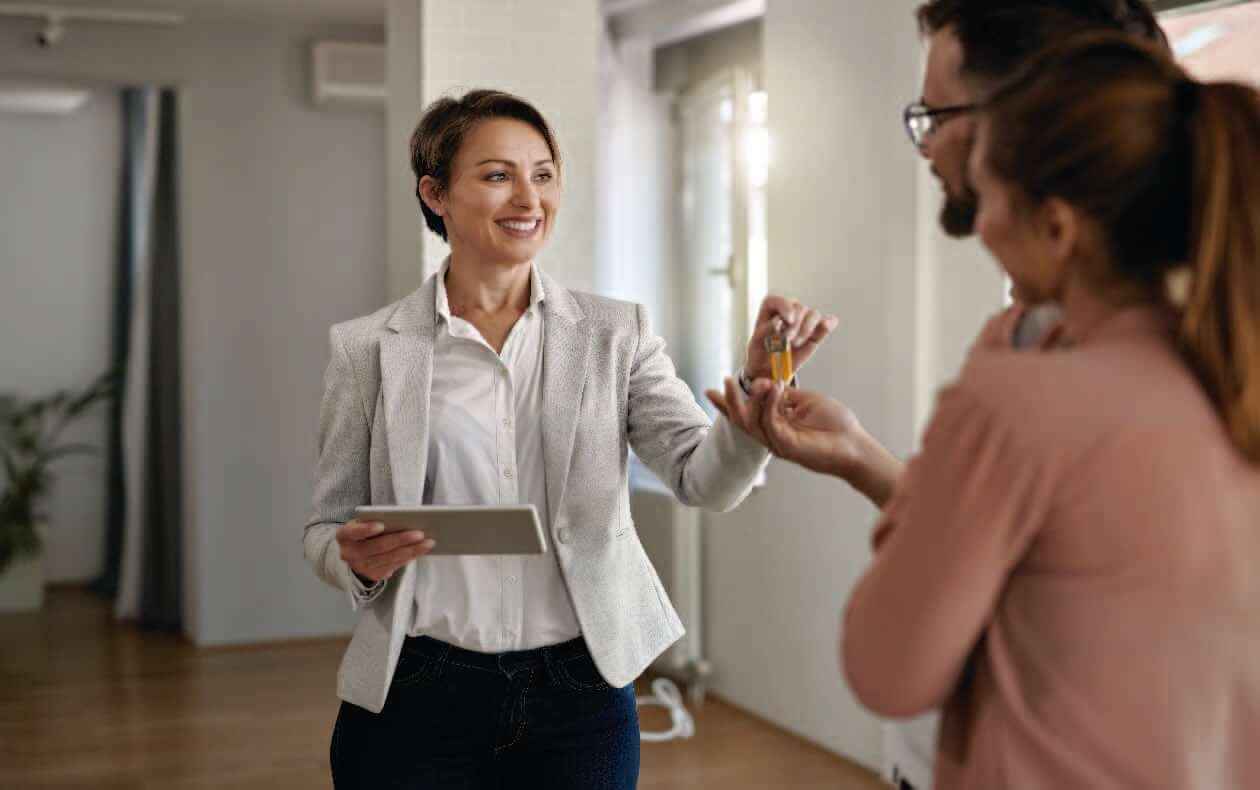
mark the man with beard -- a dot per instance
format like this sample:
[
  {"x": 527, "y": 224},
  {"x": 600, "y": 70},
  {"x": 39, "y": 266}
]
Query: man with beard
[{"x": 971, "y": 46}]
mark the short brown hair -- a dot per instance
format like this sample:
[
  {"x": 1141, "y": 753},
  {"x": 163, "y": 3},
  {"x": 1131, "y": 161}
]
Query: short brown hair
[
  {"x": 1167, "y": 166},
  {"x": 998, "y": 35},
  {"x": 444, "y": 125}
]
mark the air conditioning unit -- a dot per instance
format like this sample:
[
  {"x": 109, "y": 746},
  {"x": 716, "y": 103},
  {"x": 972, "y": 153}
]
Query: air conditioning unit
[
  {"x": 38, "y": 98},
  {"x": 348, "y": 73}
]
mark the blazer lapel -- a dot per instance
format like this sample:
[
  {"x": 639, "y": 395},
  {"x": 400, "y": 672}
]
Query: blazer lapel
[
  {"x": 566, "y": 351},
  {"x": 406, "y": 376}
]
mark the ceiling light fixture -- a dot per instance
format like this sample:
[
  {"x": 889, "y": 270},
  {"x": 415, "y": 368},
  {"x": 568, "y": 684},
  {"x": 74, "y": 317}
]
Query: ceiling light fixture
[{"x": 56, "y": 17}]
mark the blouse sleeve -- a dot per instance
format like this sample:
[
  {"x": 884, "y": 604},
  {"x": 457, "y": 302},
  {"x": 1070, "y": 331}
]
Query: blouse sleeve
[{"x": 963, "y": 515}]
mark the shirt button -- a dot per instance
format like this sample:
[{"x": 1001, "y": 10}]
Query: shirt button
[
  {"x": 507, "y": 423},
  {"x": 507, "y": 473},
  {"x": 511, "y": 579},
  {"x": 562, "y": 535}
]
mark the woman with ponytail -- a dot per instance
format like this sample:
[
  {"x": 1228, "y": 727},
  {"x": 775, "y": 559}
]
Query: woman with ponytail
[{"x": 1071, "y": 566}]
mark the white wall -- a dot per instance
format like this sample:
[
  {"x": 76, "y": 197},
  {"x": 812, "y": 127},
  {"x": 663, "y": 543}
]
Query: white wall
[
  {"x": 842, "y": 224},
  {"x": 693, "y": 61},
  {"x": 636, "y": 249},
  {"x": 282, "y": 219},
  {"x": 58, "y": 217},
  {"x": 961, "y": 286},
  {"x": 405, "y": 229}
]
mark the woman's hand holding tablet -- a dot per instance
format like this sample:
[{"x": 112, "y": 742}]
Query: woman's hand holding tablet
[{"x": 374, "y": 553}]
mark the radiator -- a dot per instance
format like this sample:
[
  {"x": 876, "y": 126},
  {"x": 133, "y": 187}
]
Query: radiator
[{"x": 671, "y": 535}]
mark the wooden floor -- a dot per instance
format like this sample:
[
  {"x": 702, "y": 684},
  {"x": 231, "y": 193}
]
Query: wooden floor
[{"x": 85, "y": 703}]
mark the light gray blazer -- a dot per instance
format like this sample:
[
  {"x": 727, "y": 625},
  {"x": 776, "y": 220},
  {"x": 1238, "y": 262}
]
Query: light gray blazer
[{"x": 607, "y": 385}]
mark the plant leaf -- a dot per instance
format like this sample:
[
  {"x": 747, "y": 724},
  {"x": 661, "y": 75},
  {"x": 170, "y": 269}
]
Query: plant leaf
[{"x": 10, "y": 465}]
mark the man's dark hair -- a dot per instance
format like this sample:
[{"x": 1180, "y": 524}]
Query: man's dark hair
[{"x": 997, "y": 36}]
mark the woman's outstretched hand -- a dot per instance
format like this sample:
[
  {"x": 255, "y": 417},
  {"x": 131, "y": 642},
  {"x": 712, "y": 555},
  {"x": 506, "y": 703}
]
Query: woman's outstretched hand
[{"x": 803, "y": 327}]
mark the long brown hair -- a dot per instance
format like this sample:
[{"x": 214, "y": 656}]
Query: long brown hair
[{"x": 1170, "y": 168}]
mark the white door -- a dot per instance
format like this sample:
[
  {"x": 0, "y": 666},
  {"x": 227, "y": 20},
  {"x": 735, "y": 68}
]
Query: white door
[{"x": 722, "y": 128}]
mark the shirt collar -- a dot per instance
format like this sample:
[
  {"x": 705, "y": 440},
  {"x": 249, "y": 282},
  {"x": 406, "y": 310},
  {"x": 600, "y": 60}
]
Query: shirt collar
[{"x": 443, "y": 305}]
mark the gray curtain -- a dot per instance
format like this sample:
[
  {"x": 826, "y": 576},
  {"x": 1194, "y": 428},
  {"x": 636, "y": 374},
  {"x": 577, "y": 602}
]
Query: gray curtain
[{"x": 143, "y": 550}]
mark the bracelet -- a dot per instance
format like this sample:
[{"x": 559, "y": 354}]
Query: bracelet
[{"x": 745, "y": 383}]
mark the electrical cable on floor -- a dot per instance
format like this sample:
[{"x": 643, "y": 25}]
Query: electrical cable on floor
[{"x": 666, "y": 695}]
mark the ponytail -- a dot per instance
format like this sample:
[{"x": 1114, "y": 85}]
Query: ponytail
[
  {"x": 1170, "y": 168},
  {"x": 1220, "y": 323}
]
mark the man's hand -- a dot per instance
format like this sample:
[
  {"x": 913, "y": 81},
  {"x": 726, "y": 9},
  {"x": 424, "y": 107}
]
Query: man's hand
[
  {"x": 810, "y": 429},
  {"x": 815, "y": 431}
]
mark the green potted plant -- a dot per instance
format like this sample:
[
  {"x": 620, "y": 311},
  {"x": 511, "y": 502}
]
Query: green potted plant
[{"x": 30, "y": 442}]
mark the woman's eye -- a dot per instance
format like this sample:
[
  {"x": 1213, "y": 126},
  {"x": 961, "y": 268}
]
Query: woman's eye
[
  {"x": 543, "y": 177},
  {"x": 497, "y": 176}
]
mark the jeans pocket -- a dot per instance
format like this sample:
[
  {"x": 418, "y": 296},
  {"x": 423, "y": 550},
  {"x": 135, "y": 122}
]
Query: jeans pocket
[
  {"x": 579, "y": 673},
  {"x": 416, "y": 669}
]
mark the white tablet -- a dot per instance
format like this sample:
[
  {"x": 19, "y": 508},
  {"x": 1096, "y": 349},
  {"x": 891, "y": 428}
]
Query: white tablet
[{"x": 465, "y": 529}]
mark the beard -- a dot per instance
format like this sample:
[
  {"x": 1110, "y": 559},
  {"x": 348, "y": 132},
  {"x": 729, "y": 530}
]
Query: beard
[{"x": 958, "y": 215}]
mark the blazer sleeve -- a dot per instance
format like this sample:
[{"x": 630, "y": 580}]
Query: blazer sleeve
[
  {"x": 709, "y": 466},
  {"x": 342, "y": 480}
]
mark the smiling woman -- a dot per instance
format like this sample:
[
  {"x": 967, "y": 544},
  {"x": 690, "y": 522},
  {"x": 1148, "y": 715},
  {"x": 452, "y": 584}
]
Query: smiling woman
[
  {"x": 491, "y": 141},
  {"x": 493, "y": 384}
]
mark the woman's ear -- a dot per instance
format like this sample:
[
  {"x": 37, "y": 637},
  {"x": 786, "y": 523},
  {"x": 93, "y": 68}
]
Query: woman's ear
[
  {"x": 430, "y": 191},
  {"x": 1062, "y": 226}
]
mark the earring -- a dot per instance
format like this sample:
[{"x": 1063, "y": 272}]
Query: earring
[{"x": 1177, "y": 285}]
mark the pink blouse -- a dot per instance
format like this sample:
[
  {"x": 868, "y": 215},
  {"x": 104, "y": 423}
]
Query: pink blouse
[{"x": 1071, "y": 569}]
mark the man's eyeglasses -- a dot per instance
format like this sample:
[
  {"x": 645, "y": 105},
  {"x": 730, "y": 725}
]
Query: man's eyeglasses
[{"x": 923, "y": 121}]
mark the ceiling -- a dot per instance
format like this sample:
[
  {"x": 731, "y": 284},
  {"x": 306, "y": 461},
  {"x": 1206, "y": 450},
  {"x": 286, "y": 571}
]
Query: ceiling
[
  {"x": 364, "y": 12},
  {"x": 1219, "y": 43},
  {"x": 664, "y": 22},
  {"x": 668, "y": 19}
]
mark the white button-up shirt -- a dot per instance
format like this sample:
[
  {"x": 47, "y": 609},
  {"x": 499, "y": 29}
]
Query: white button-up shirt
[{"x": 485, "y": 448}]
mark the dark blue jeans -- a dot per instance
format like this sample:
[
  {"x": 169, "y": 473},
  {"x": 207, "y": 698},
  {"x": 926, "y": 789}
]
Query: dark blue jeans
[{"x": 459, "y": 720}]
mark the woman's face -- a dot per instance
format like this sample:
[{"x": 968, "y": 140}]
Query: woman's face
[
  {"x": 503, "y": 196},
  {"x": 1021, "y": 237}
]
